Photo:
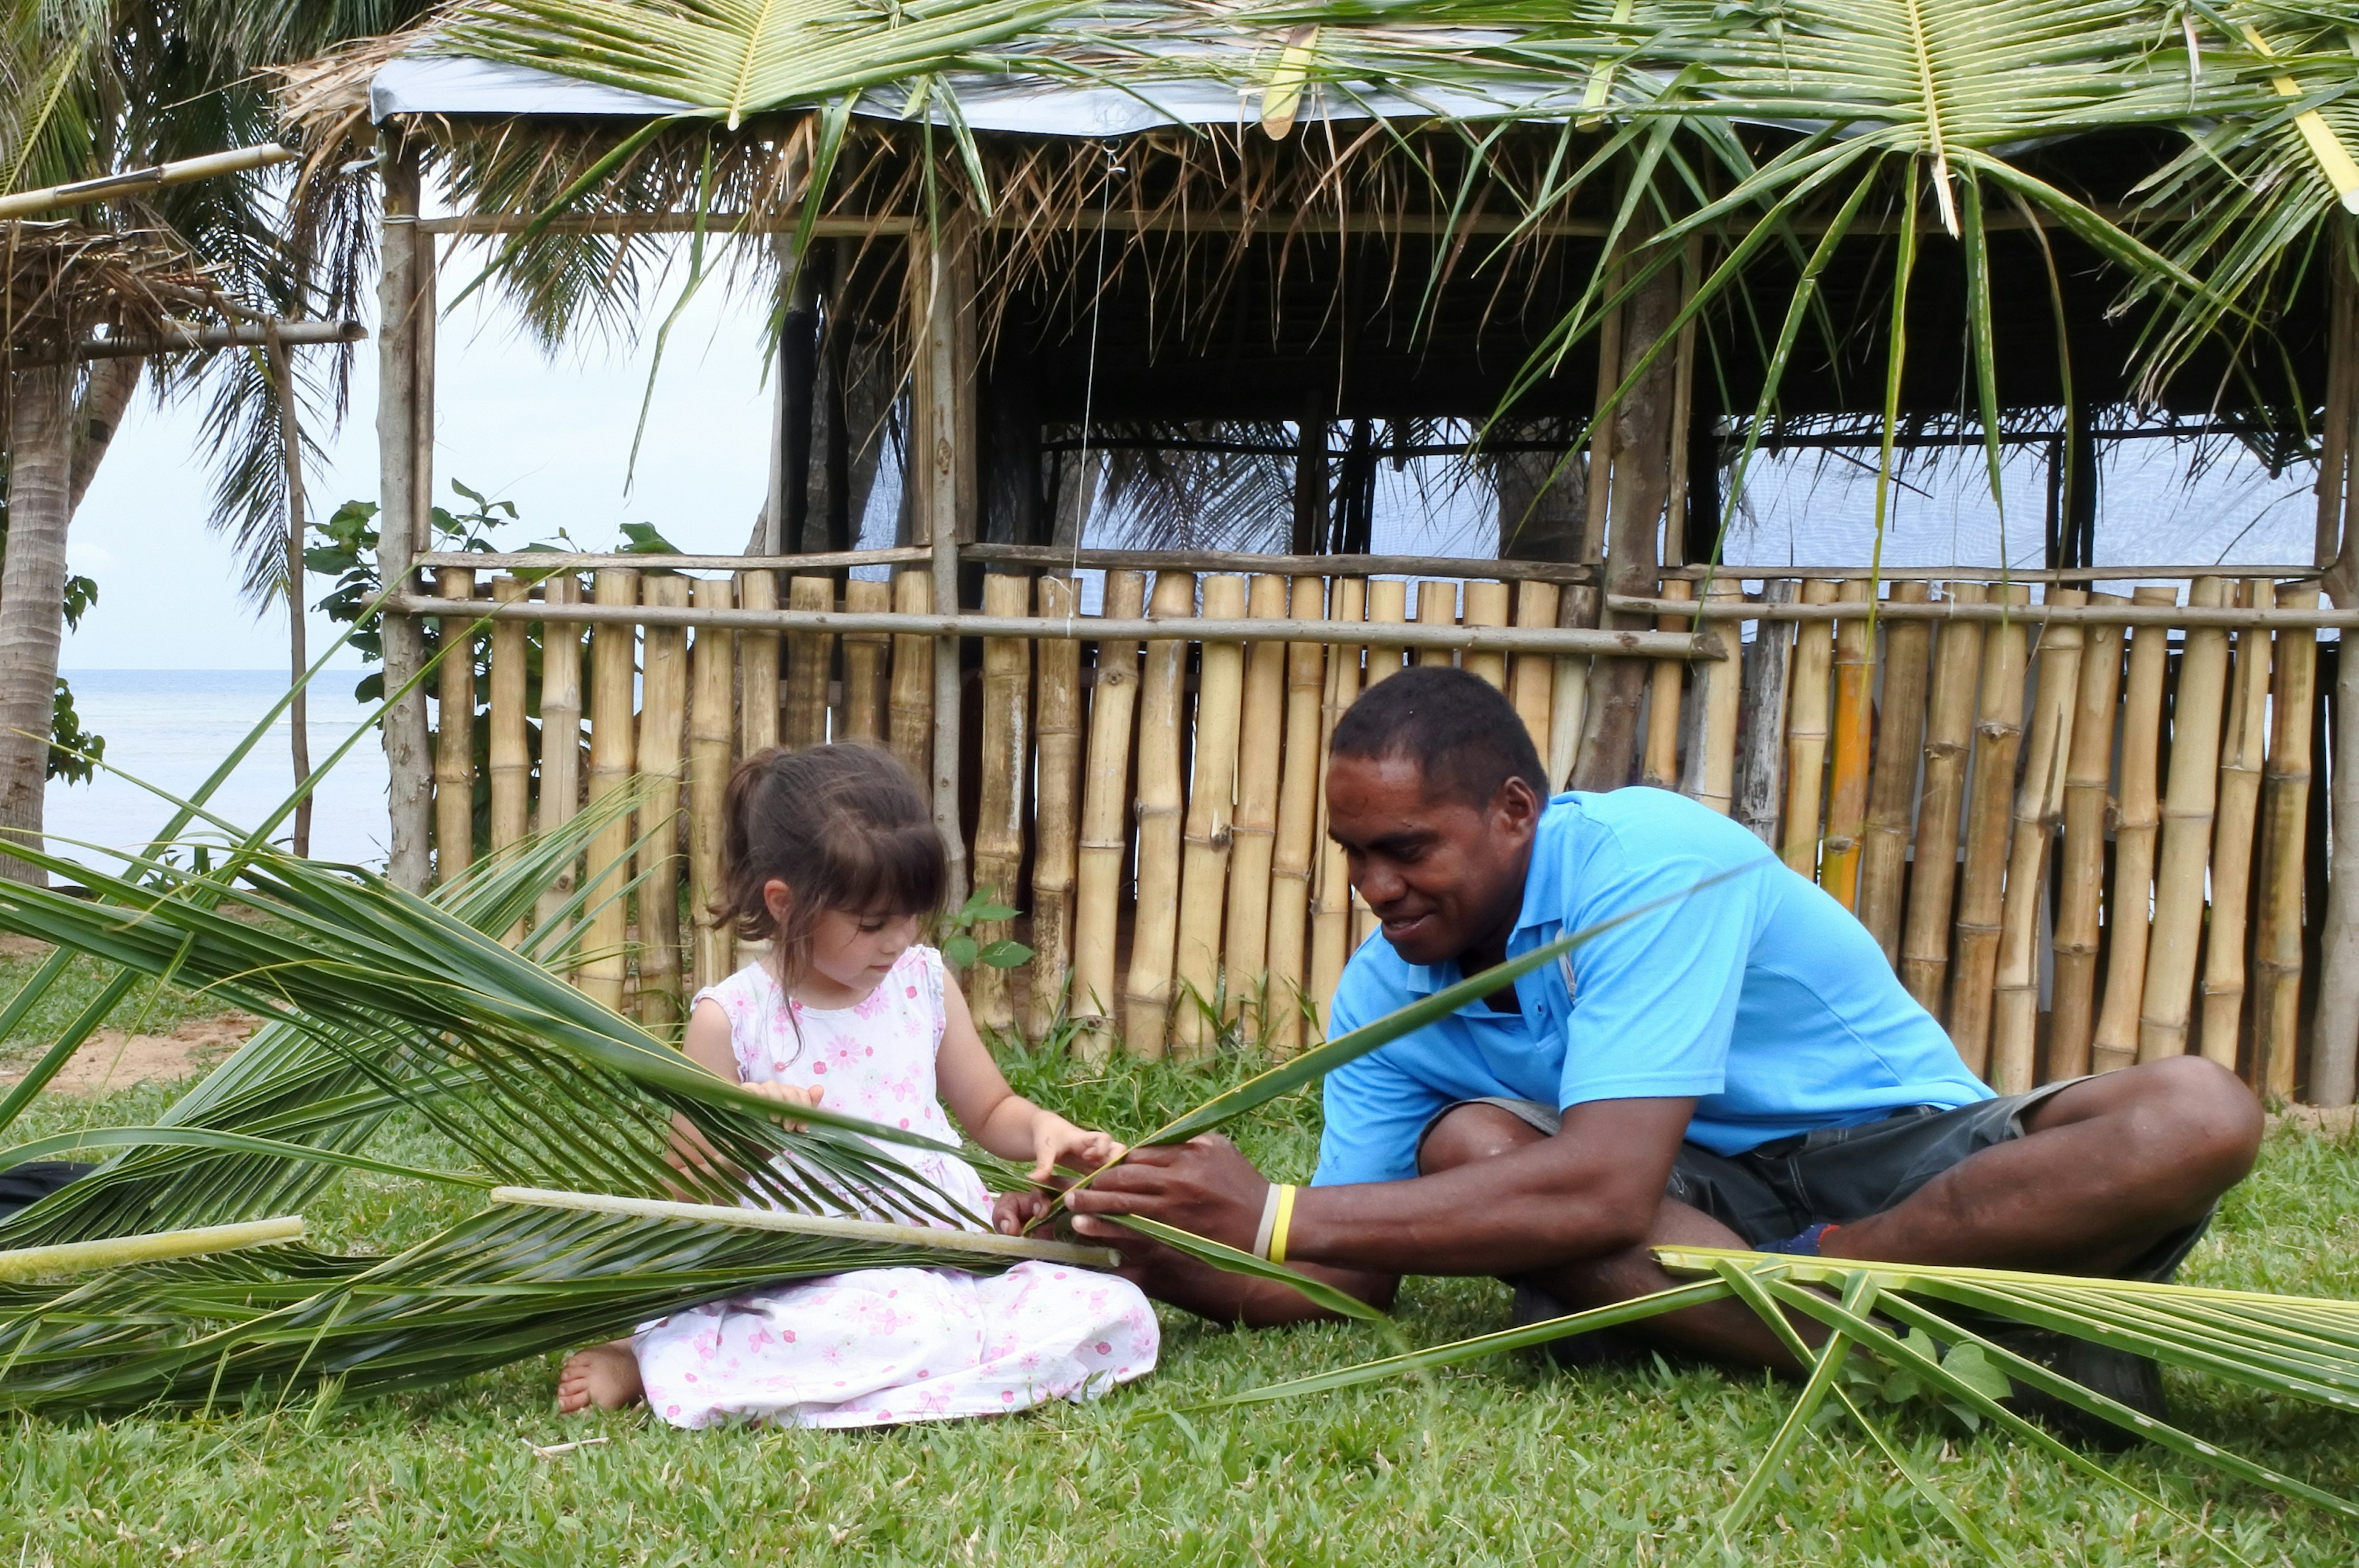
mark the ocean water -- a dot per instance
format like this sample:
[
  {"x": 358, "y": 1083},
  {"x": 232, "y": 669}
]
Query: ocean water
[{"x": 173, "y": 727}]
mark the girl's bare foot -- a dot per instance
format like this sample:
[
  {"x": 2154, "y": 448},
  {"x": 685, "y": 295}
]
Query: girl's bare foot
[{"x": 605, "y": 1375}]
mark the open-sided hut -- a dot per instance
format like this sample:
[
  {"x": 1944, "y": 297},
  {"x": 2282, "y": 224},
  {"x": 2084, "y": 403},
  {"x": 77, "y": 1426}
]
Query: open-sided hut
[{"x": 1631, "y": 244}]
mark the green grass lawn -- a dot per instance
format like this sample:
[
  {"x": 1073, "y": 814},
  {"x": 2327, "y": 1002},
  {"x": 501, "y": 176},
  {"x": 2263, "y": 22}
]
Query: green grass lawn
[
  {"x": 1504, "y": 1461},
  {"x": 149, "y": 1009}
]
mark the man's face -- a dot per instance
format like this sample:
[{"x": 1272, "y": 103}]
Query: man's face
[{"x": 1444, "y": 875}]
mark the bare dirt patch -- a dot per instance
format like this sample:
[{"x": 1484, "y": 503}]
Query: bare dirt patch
[
  {"x": 112, "y": 1059},
  {"x": 2335, "y": 1121}
]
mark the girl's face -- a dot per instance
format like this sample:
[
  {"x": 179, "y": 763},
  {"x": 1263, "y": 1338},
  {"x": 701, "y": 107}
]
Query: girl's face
[{"x": 848, "y": 949}]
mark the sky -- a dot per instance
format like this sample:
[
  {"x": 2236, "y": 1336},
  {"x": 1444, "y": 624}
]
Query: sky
[{"x": 553, "y": 437}]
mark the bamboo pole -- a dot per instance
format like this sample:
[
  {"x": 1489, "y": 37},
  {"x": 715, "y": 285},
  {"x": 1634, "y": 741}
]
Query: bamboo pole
[
  {"x": 1531, "y": 677},
  {"x": 1891, "y": 791},
  {"x": 1658, "y": 762},
  {"x": 1162, "y": 716},
  {"x": 560, "y": 734},
  {"x": 2187, "y": 809},
  {"x": 1437, "y": 605},
  {"x": 1056, "y": 731},
  {"x": 1487, "y": 604},
  {"x": 1296, "y": 844},
  {"x": 454, "y": 737},
  {"x": 2039, "y": 801},
  {"x": 909, "y": 726},
  {"x": 1204, "y": 852},
  {"x": 711, "y": 722},
  {"x": 23, "y": 1263},
  {"x": 1252, "y": 836},
  {"x": 999, "y": 813},
  {"x": 1105, "y": 847},
  {"x": 2081, "y": 873},
  {"x": 758, "y": 668},
  {"x": 509, "y": 757},
  {"x": 1853, "y": 739},
  {"x": 2277, "y": 937},
  {"x": 1389, "y": 604},
  {"x": 1330, "y": 891},
  {"x": 662, "y": 767},
  {"x": 2242, "y": 747},
  {"x": 1806, "y": 735},
  {"x": 2129, "y": 905},
  {"x": 1949, "y": 731},
  {"x": 1981, "y": 885},
  {"x": 1761, "y": 721},
  {"x": 613, "y": 650},
  {"x": 808, "y": 653},
  {"x": 1711, "y": 771},
  {"x": 865, "y": 654},
  {"x": 1569, "y": 696}
]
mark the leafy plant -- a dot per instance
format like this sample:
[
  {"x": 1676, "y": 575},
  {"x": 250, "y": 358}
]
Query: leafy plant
[{"x": 954, "y": 935}]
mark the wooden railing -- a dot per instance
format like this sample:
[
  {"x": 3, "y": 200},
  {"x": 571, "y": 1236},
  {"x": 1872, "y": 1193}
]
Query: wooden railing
[{"x": 2082, "y": 828}]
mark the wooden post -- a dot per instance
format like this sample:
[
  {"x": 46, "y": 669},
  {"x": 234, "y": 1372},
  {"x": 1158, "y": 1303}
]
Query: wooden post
[
  {"x": 1487, "y": 604},
  {"x": 1761, "y": 720},
  {"x": 2139, "y": 817},
  {"x": 808, "y": 654},
  {"x": 510, "y": 754},
  {"x": 757, "y": 667},
  {"x": 1204, "y": 853},
  {"x": 865, "y": 659},
  {"x": 1105, "y": 847},
  {"x": 1806, "y": 733},
  {"x": 1252, "y": 836},
  {"x": 1531, "y": 677},
  {"x": 2081, "y": 873},
  {"x": 1711, "y": 771},
  {"x": 614, "y": 650},
  {"x": 1853, "y": 739},
  {"x": 1389, "y": 604},
  {"x": 1998, "y": 739},
  {"x": 712, "y": 723},
  {"x": 2186, "y": 806},
  {"x": 1296, "y": 845},
  {"x": 943, "y": 448},
  {"x": 1658, "y": 764},
  {"x": 2242, "y": 747},
  {"x": 1155, "y": 927},
  {"x": 1057, "y": 726},
  {"x": 1437, "y": 605},
  {"x": 909, "y": 726},
  {"x": 454, "y": 738},
  {"x": 1949, "y": 731},
  {"x": 2277, "y": 936},
  {"x": 1899, "y": 746},
  {"x": 1330, "y": 891},
  {"x": 2038, "y": 801},
  {"x": 1006, "y": 762},
  {"x": 663, "y": 767},
  {"x": 2333, "y": 1077},
  {"x": 404, "y": 432},
  {"x": 1569, "y": 690},
  {"x": 560, "y": 733}
]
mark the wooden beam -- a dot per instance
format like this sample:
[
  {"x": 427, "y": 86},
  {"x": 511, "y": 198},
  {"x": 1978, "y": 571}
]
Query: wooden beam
[{"x": 405, "y": 304}]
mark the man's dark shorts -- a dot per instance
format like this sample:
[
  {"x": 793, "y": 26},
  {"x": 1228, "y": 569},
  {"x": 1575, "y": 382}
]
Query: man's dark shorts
[{"x": 1838, "y": 1174}]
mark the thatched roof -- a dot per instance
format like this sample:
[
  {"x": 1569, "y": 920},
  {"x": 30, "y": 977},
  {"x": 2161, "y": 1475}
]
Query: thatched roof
[{"x": 65, "y": 283}]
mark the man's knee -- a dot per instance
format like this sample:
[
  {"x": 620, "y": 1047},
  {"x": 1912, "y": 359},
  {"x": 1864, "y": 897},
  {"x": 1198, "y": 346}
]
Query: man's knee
[
  {"x": 1472, "y": 1133},
  {"x": 2189, "y": 1117}
]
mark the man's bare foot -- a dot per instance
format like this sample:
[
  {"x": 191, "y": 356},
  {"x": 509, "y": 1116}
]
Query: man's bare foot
[{"x": 605, "y": 1375}]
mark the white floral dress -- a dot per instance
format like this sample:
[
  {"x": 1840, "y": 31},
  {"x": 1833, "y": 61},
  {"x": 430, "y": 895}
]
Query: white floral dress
[{"x": 881, "y": 1345}]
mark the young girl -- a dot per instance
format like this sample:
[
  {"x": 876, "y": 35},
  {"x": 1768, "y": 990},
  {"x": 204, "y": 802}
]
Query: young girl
[{"x": 831, "y": 854}]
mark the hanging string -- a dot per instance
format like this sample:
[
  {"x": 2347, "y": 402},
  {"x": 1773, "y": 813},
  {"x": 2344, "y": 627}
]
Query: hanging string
[{"x": 1088, "y": 496}]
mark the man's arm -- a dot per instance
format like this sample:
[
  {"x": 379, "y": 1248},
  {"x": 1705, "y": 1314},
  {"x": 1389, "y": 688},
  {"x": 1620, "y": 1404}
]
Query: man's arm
[{"x": 1593, "y": 1189}]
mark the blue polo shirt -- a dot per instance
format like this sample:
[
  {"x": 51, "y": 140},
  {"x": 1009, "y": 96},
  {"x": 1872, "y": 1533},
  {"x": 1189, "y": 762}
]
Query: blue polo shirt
[{"x": 1760, "y": 996}]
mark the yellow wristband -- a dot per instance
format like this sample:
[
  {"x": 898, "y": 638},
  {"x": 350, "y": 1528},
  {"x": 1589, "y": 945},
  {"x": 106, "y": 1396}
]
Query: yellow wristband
[{"x": 1281, "y": 1222}]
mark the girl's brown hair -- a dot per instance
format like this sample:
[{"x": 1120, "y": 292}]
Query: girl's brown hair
[{"x": 844, "y": 825}]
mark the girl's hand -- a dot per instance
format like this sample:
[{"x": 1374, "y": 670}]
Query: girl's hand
[
  {"x": 1011, "y": 1212},
  {"x": 788, "y": 1093},
  {"x": 1056, "y": 1142}
]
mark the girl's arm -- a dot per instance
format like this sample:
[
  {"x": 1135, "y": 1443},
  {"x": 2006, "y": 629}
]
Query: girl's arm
[
  {"x": 994, "y": 1115},
  {"x": 708, "y": 1046}
]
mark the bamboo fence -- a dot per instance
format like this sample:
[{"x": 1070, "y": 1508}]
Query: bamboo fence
[{"x": 1151, "y": 799}]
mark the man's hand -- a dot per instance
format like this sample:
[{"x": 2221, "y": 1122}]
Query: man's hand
[{"x": 1203, "y": 1186}]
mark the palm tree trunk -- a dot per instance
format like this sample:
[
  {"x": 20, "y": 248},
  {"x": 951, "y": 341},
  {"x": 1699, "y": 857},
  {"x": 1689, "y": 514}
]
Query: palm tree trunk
[
  {"x": 32, "y": 588},
  {"x": 103, "y": 400}
]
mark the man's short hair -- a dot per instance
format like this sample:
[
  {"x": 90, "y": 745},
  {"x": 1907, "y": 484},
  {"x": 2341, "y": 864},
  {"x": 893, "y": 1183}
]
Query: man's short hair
[{"x": 1460, "y": 731}]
